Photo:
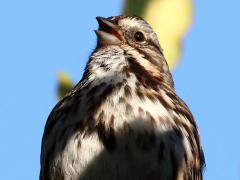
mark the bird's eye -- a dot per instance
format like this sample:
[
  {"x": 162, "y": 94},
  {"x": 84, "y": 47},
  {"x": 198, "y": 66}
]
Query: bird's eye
[{"x": 139, "y": 37}]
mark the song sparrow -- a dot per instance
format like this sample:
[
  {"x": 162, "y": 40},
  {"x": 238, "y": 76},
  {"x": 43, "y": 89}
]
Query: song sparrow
[{"x": 123, "y": 120}]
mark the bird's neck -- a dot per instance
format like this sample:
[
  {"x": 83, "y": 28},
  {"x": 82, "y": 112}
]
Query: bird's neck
[{"x": 116, "y": 63}]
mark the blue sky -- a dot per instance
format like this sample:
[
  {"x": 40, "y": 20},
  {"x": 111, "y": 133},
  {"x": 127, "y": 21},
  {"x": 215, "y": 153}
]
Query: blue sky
[{"x": 39, "y": 38}]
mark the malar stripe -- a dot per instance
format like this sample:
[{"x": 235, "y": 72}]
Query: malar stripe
[
  {"x": 130, "y": 56},
  {"x": 148, "y": 57},
  {"x": 143, "y": 76}
]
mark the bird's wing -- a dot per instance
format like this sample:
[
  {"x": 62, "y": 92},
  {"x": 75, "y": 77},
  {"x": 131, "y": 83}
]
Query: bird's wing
[{"x": 60, "y": 113}]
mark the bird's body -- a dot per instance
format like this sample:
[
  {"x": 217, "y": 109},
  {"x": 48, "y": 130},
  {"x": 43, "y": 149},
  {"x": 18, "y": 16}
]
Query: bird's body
[{"x": 124, "y": 119}]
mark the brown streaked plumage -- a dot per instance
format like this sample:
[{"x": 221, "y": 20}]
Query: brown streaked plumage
[{"x": 123, "y": 120}]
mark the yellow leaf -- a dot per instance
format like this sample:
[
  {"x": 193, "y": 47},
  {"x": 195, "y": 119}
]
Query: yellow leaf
[
  {"x": 170, "y": 19},
  {"x": 65, "y": 84}
]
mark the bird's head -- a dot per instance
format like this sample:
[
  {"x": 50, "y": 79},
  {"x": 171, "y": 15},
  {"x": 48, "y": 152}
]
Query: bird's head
[
  {"x": 128, "y": 30},
  {"x": 138, "y": 41}
]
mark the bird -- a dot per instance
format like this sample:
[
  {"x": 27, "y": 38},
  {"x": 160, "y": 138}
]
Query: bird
[{"x": 123, "y": 119}]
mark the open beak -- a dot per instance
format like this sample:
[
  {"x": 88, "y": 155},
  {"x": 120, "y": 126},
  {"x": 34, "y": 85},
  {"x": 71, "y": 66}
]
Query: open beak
[{"x": 108, "y": 33}]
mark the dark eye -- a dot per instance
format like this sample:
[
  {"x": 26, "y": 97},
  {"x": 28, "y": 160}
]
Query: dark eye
[{"x": 139, "y": 37}]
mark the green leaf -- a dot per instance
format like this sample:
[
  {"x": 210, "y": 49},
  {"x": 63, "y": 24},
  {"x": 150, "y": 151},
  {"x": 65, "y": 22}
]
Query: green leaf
[{"x": 65, "y": 84}]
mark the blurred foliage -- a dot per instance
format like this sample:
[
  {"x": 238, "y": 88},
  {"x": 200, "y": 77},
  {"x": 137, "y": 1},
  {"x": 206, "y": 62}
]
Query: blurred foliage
[
  {"x": 64, "y": 84},
  {"x": 170, "y": 19}
]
